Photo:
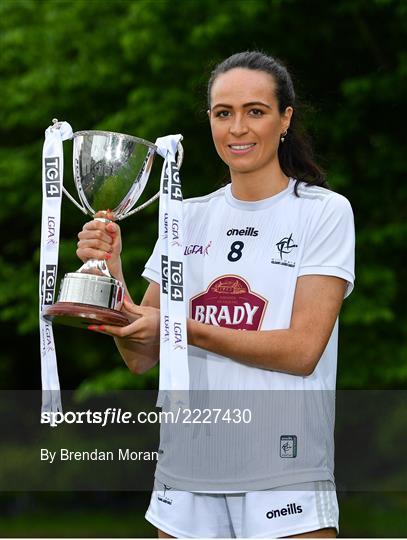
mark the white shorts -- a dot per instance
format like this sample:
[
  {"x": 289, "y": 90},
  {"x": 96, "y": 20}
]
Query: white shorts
[{"x": 271, "y": 513}]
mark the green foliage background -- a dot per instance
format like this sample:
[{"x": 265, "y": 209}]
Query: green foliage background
[{"x": 140, "y": 67}]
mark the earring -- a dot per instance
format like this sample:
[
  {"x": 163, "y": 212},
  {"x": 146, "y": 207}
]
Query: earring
[{"x": 283, "y": 136}]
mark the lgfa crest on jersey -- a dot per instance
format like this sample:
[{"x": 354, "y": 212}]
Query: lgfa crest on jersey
[{"x": 229, "y": 302}]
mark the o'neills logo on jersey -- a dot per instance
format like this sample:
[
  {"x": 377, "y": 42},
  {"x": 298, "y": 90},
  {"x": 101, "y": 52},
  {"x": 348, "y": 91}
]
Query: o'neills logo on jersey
[
  {"x": 248, "y": 231},
  {"x": 229, "y": 302},
  {"x": 289, "y": 510}
]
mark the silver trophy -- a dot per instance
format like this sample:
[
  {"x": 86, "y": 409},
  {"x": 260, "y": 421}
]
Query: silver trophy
[{"x": 111, "y": 171}]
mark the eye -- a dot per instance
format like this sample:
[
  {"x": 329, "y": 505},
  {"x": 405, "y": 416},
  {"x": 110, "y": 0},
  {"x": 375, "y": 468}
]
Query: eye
[
  {"x": 222, "y": 114},
  {"x": 256, "y": 112}
]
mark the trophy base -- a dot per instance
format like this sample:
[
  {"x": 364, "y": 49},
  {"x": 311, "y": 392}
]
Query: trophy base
[{"x": 83, "y": 315}]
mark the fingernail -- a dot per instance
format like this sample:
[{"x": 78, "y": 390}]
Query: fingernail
[
  {"x": 101, "y": 328},
  {"x": 126, "y": 298},
  {"x": 92, "y": 327},
  {"x": 108, "y": 256}
]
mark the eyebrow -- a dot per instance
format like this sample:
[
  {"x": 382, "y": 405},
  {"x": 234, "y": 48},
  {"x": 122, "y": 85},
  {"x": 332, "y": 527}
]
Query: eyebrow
[{"x": 250, "y": 104}]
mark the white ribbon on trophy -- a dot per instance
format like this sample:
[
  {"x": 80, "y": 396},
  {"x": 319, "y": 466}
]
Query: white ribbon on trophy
[
  {"x": 79, "y": 288},
  {"x": 174, "y": 372},
  {"x": 52, "y": 186}
]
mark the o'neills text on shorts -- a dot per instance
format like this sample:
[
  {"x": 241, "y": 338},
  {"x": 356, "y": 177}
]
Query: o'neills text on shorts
[{"x": 290, "y": 509}]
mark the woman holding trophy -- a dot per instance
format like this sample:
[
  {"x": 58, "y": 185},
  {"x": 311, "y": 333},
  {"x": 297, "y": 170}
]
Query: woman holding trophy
[{"x": 271, "y": 253}]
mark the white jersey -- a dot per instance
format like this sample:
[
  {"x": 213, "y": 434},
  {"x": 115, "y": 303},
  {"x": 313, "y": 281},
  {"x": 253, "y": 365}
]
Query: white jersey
[{"x": 242, "y": 261}]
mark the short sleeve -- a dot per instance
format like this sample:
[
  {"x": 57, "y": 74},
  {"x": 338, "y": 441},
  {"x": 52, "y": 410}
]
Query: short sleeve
[
  {"x": 330, "y": 243},
  {"x": 152, "y": 268}
]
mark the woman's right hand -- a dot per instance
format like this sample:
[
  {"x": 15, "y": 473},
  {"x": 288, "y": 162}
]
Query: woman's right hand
[
  {"x": 139, "y": 341},
  {"x": 101, "y": 241}
]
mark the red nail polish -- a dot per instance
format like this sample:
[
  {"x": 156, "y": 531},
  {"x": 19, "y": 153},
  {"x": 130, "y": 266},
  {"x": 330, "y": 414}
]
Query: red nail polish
[
  {"x": 107, "y": 256},
  {"x": 101, "y": 328},
  {"x": 92, "y": 327}
]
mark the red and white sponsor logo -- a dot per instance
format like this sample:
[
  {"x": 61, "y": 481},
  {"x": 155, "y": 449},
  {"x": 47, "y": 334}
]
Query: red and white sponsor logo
[{"x": 229, "y": 302}]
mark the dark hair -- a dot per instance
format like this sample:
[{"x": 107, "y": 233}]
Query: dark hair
[{"x": 295, "y": 153}]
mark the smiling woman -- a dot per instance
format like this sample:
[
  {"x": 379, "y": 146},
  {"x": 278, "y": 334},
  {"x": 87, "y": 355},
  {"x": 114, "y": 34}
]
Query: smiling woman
[
  {"x": 246, "y": 128},
  {"x": 268, "y": 81},
  {"x": 271, "y": 253}
]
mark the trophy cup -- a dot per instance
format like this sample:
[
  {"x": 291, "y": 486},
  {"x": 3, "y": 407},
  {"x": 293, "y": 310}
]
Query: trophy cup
[{"x": 111, "y": 170}]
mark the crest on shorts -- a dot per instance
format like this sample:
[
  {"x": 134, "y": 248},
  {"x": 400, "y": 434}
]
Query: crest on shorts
[{"x": 164, "y": 497}]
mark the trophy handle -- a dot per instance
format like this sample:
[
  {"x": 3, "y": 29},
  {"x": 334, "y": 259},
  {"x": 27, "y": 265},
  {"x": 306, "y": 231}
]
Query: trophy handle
[
  {"x": 81, "y": 208},
  {"x": 180, "y": 159},
  {"x": 153, "y": 198}
]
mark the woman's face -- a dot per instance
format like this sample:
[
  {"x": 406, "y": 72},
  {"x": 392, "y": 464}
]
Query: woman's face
[{"x": 245, "y": 121}]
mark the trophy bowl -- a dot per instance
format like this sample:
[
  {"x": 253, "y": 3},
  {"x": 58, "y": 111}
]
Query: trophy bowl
[{"x": 111, "y": 171}]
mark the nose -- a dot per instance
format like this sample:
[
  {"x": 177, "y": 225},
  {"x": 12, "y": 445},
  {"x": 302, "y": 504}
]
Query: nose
[{"x": 238, "y": 126}]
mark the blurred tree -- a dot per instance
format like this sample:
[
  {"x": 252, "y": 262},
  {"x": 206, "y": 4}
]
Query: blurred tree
[{"x": 141, "y": 67}]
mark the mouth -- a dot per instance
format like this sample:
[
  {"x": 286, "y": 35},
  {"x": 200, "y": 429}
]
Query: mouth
[{"x": 241, "y": 148}]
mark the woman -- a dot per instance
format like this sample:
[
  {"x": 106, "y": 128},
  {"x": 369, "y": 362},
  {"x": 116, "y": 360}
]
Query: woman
[{"x": 272, "y": 252}]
